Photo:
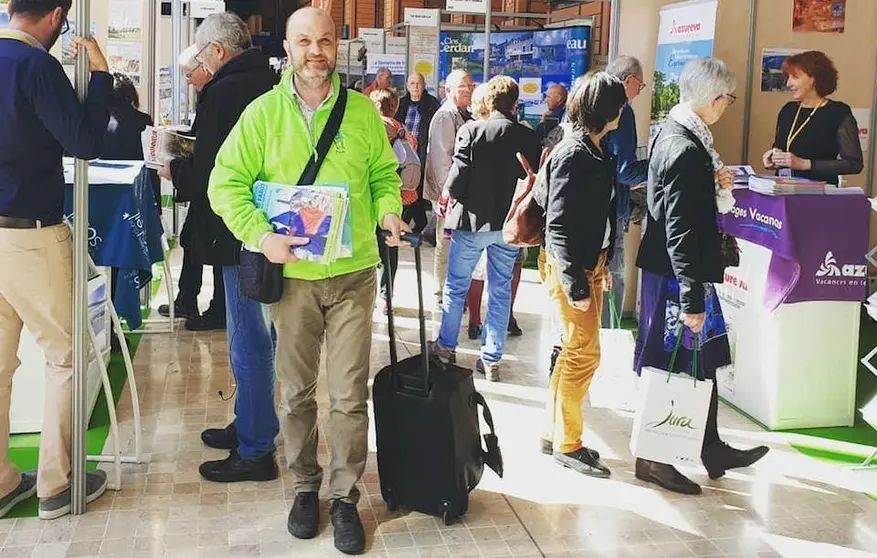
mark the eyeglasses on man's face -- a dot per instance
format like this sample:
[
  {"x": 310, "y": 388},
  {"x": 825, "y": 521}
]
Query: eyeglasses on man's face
[
  {"x": 642, "y": 84},
  {"x": 65, "y": 27},
  {"x": 731, "y": 98},
  {"x": 198, "y": 55},
  {"x": 188, "y": 75}
]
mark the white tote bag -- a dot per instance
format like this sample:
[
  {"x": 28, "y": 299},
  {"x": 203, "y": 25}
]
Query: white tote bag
[
  {"x": 670, "y": 416},
  {"x": 615, "y": 383}
]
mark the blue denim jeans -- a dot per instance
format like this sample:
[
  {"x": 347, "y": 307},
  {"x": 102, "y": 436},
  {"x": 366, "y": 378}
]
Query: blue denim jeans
[
  {"x": 463, "y": 254},
  {"x": 251, "y": 342},
  {"x": 616, "y": 269}
]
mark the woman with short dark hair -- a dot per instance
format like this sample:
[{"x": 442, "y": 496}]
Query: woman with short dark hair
[
  {"x": 816, "y": 137},
  {"x": 122, "y": 139},
  {"x": 577, "y": 189},
  {"x": 681, "y": 257}
]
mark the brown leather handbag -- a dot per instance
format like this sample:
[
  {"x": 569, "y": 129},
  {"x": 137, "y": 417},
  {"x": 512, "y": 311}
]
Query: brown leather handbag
[{"x": 525, "y": 223}]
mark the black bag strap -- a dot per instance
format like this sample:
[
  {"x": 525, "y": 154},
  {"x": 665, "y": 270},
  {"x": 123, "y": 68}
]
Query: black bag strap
[
  {"x": 309, "y": 175},
  {"x": 493, "y": 455}
]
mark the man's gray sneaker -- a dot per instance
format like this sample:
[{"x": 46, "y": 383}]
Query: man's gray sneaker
[
  {"x": 25, "y": 489},
  {"x": 59, "y": 506}
]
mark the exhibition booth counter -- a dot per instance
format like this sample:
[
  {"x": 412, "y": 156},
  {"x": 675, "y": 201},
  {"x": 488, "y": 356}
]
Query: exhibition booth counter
[{"x": 793, "y": 306}]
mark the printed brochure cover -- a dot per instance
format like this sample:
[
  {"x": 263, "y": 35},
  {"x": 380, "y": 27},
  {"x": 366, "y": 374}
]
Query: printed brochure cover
[{"x": 319, "y": 213}]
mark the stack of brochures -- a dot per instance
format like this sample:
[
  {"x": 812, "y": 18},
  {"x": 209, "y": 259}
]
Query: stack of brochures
[
  {"x": 784, "y": 186},
  {"x": 320, "y": 213}
]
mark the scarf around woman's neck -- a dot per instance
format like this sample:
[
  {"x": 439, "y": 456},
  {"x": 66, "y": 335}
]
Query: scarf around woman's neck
[{"x": 684, "y": 115}]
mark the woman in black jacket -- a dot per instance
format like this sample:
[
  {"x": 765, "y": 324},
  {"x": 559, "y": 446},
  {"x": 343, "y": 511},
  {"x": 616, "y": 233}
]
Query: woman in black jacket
[
  {"x": 577, "y": 190},
  {"x": 122, "y": 139},
  {"x": 681, "y": 257}
]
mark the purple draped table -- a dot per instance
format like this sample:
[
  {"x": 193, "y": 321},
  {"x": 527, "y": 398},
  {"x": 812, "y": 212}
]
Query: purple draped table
[{"x": 818, "y": 243}]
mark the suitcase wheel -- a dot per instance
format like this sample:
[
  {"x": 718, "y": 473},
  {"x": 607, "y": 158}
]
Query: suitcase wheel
[
  {"x": 392, "y": 505},
  {"x": 447, "y": 518}
]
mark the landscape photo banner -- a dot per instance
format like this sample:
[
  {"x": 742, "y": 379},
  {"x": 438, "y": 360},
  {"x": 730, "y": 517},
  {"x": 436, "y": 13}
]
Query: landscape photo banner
[
  {"x": 535, "y": 59},
  {"x": 687, "y": 31}
]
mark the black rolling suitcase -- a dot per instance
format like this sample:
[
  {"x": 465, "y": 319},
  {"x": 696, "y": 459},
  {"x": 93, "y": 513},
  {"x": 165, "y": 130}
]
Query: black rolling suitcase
[{"x": 430, "y": 453}]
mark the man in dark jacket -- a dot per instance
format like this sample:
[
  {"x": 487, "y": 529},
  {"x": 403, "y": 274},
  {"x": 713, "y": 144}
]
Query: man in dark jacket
[
  {"x": 416, "y": 110},
  {"x": 482, "y": 184},
  {"x": 192, "y": 270},
  {"x": 240, "y": 74}
]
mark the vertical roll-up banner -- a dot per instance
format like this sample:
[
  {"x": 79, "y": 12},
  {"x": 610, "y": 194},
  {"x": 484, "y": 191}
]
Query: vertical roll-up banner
[{"x": 687, "y": 31}]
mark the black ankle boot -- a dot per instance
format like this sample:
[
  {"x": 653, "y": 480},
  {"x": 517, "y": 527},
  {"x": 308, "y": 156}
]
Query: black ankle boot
[
  {"x": 719, "y": 457},
  {"x": 665, "y": 476},
  {"x": 221, "y": 438},
  {"x": 236, "y": 469},
  {"x": 349, "y": 533}
]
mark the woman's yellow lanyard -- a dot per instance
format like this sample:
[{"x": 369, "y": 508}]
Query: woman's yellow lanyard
[{"x": 793, "y": 133}]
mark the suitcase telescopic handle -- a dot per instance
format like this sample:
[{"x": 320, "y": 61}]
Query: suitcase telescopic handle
[{"x": 415, "y": 241}]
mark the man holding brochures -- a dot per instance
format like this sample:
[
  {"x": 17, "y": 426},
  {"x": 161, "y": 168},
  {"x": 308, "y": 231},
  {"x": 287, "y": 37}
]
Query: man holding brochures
[{"x": 273, "y": 142}]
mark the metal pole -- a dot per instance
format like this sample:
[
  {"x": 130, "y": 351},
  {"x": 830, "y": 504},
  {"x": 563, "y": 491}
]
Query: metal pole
[
  {"x": 80, "y": 285},
  {"x": 190, "y": 36},
  {"x": 176, "y": 49},
  {"x": 147, "y": 75},
  {"x": 750, "y": 67},
  {"x": 614, "y": 28},
  {"x": 488, "y": 13},
  {"x": 176, "y": 76},
  {"x": 872, "y": 141}
]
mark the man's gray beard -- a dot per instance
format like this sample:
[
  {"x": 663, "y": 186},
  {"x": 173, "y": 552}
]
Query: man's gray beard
[{"x": 313, "y": 82}]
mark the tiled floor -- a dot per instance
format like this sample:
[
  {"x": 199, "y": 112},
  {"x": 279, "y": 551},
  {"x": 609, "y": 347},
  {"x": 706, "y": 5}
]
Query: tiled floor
[{"x": 788, "y": 506}]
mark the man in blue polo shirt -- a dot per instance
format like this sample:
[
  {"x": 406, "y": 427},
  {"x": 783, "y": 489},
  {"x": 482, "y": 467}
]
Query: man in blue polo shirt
[{"x": 40, "y": 118}]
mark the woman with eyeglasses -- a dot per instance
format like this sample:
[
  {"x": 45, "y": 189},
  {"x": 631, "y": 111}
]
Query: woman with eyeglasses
[
  {"x": 681, "y": 257},
  {"x": 816, "y": 137}
]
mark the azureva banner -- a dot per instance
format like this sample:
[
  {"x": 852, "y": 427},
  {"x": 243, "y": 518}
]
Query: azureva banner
[{"x": 687, "y": 31}]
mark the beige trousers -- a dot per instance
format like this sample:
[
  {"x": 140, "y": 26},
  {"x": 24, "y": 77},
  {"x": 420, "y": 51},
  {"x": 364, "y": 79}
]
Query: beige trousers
[
  {"x": 36, "y": 290},
  {"x": 338, "y": 310},
  {"x": 440, "y": 265}
]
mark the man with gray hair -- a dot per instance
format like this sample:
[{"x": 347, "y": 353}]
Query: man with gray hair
[
  {"x": 189, "y": 286},
  {"x": 193, "y": 70},
  {"x": 239, "y": 75},
  {"x": 630, "y": 173},
  {"x": 439, "y": 158}
]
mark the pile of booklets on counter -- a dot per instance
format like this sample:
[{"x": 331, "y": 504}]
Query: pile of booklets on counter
[
  {"x": 784, "y": 186},
  {"x": 320, "y": 213},
  {"x": 162, "y": 145}
]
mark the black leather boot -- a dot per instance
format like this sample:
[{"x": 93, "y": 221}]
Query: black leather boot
[
  {"x": 665, "y": 476},
  {"x": 236, "y": 469},
  {"x": 719, "y": 457},
  {"x": 221, "y": 438}
]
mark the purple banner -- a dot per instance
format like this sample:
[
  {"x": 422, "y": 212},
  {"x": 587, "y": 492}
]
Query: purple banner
[{"x": 818, "y": 243}]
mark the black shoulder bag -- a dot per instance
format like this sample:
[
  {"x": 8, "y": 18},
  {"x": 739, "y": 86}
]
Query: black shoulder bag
[{"x": 262, "y": 280}]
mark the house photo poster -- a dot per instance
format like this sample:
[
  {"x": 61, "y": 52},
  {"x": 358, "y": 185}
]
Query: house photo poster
[
  {"x": 772, "y": 78},
  {"x": 687, "y": 31}
]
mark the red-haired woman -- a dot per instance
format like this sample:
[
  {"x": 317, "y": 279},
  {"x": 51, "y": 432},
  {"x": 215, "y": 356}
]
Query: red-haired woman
[{"x": 816, "y": 137}]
